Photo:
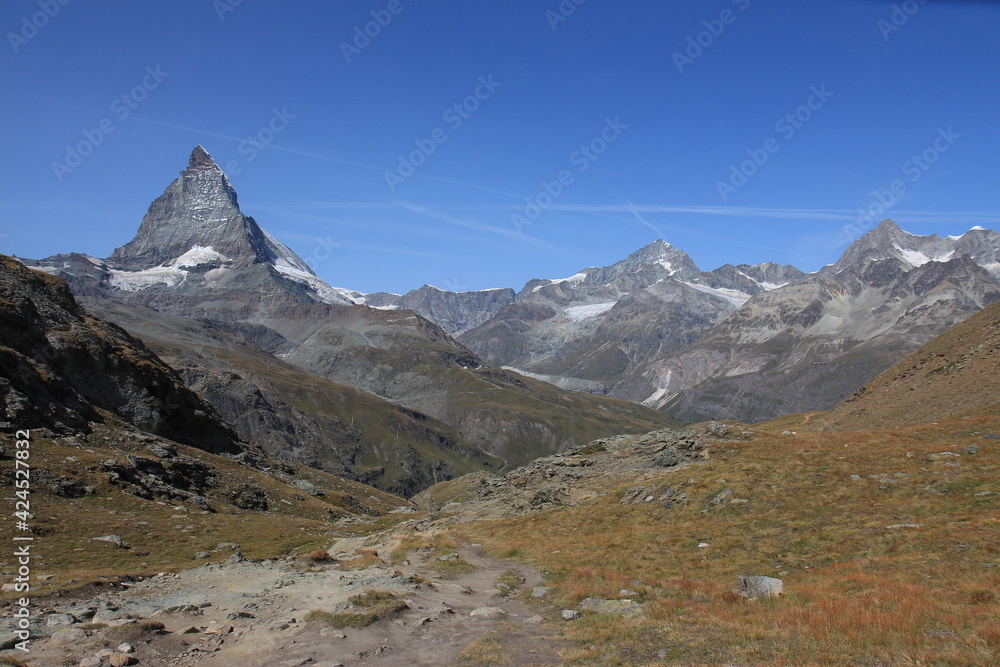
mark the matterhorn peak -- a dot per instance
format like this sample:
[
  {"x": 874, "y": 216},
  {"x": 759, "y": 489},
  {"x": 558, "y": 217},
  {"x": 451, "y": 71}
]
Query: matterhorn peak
[
  {"x": 199, "y": 208},
  {"x": 194, "y": 236},
  {"x": 200, "y": 159}
]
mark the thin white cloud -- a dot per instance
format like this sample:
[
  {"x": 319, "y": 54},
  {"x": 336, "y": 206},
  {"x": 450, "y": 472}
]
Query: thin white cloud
[
  {"x": 637, "y": 209},
  {"x": 471, "y": 224},
  {"x": 327, "y": 158}
]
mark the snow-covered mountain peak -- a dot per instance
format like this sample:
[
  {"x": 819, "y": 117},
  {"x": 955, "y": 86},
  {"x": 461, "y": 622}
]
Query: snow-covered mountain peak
[{"x": 888, "y": 241}]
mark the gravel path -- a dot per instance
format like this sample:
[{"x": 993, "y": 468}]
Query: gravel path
[{"x": 251, "y": 614}]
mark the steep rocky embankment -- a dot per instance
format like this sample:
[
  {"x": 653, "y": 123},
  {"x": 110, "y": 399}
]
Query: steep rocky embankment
[{"x": 61, "y": 368}]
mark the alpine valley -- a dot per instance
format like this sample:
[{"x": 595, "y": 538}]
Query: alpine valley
[
  {"x": 402, "y": 391},
  {"x": 576, "y": 472}
]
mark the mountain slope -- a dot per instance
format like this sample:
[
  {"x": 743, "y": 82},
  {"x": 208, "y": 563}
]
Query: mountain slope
[
  {"x": 455, "y": 312},
  {"x": 297, "y": 416},
  {"x": 593, "y": 328},
  {"x": 957, "y": 371}
]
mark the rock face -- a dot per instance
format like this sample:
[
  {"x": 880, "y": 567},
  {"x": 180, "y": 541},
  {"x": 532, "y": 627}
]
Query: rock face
[
  {"x": 586, "y": 331},
  {"x": 889, "y": 241},
  {"x": 455, "y": 312},
  {"x": 60, "y": 368},
  {"x": 742, "y": 342}
]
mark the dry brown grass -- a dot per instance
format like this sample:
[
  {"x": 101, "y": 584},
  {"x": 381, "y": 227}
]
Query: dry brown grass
[
  {"x": 365, "y": 559},
  {"x": 319, "y": 556},
  {"x": 486, "y": 651},
  {"x": 856, "y": 591},
  {"x": 367, "y": 608}
]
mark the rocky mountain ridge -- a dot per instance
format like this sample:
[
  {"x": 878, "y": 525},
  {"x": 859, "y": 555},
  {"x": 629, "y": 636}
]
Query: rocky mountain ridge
[{"x": 652, "y": 328}]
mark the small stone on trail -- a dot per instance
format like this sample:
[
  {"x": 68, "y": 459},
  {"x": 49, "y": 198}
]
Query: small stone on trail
[
  {"x": 570, "y": 614},
  {"x": 491, "y": 613}
]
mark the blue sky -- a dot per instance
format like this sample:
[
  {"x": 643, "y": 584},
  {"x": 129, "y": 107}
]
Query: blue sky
[{"x": 761, "y": 141}]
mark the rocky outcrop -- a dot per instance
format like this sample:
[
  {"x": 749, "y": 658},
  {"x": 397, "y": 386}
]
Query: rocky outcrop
[
  {"x": 61, "y": 368},
  {"x": 562, "y": 480}
]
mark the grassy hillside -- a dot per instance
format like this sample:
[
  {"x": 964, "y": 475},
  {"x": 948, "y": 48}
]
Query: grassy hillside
[
  {"x": 898, "y": 566},
  {"x": 164, "y": 534}
]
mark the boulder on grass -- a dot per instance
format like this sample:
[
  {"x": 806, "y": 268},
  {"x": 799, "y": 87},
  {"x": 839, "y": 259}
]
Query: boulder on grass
[{"x": 760, "y": 587}]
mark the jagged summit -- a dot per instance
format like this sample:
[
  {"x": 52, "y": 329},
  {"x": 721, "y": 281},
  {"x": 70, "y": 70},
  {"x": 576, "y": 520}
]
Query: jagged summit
[
  {"x": 199, "y": 208},
  {"x": 200, "y": 159},
  {"x": 888, "y": 241}
]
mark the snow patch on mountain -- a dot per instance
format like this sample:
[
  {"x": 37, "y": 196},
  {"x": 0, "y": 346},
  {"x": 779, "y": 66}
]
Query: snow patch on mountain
[
  {"x": 136, "y": 281},
  {"x": 659, "y": 397},
  {"x": 917, "y": 258},
  {"x": 580, "y": 313},
  {"x": 575, "y": 278},
  {"x": 170, "y": 274},
  {"x": 735, "y": 297},
  {"x": 198, "y": 255}
]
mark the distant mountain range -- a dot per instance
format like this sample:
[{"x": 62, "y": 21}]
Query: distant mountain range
[
  {"x": 499, "y": 377},
  {"x": 742, "y": 342}
]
